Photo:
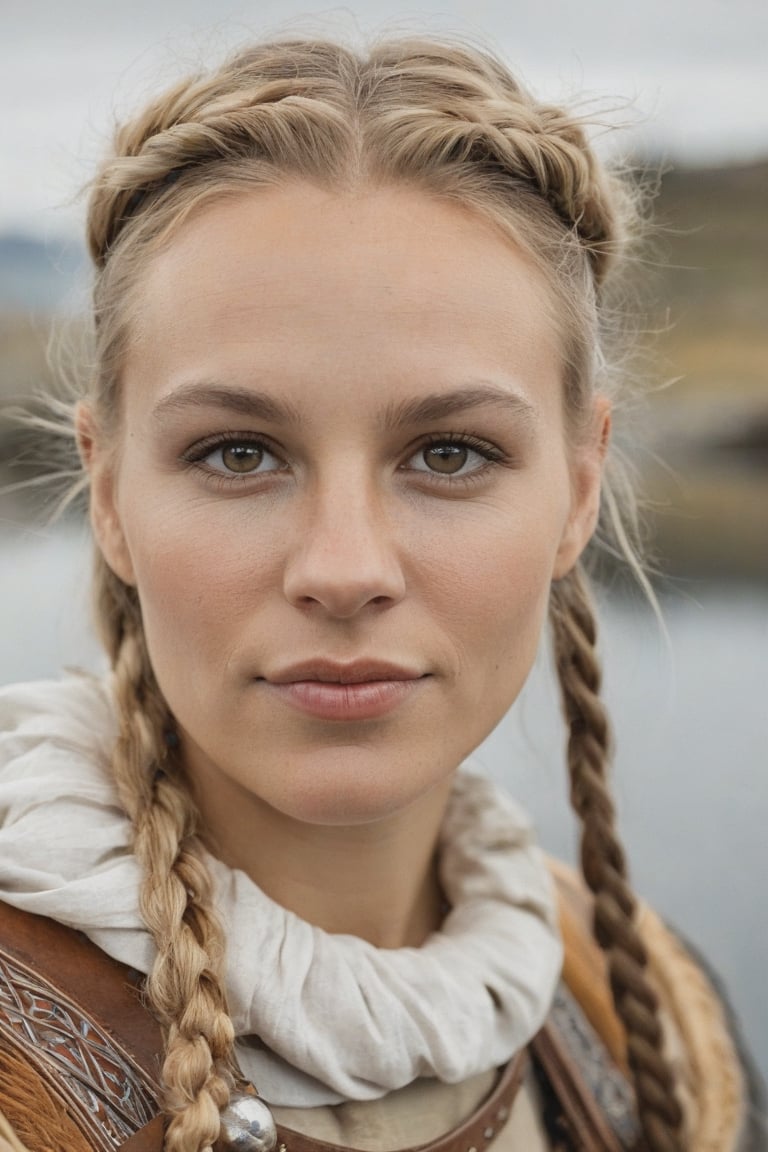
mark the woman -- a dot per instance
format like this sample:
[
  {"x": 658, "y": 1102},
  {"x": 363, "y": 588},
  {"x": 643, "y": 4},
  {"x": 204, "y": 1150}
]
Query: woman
[{"x": 345, "y": 441}]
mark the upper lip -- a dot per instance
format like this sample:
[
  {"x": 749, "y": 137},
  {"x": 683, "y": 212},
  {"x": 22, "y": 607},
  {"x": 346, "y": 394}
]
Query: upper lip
[{"x": 333, "y": 672}]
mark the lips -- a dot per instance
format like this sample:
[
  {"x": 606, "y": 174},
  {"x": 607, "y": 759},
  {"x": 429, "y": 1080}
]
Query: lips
[{"x": 361, "y": 690}]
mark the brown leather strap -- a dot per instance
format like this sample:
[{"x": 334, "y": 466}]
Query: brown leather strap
[
  {"x": 588, "y": 1127},
  {"x": 147, "y": 1139},
  {"x": 476, "y": 1132}
]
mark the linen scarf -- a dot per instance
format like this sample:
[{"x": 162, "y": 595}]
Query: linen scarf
[{"x": 320, "y": 1018}]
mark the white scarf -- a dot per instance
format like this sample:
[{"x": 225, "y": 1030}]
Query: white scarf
[{"x": 321, "y": 1018}]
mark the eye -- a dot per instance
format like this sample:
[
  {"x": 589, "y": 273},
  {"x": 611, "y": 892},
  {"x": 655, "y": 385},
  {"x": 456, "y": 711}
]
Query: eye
[
  {"x": 452, "y": 456},
  {"x": 239, "y": 457},
  {"x": 232, "y": 457}
]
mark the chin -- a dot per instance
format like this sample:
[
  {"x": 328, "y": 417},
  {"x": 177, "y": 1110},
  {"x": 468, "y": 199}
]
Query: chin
[{"x": 350, "y": 786}]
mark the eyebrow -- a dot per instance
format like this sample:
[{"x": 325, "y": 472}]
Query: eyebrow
[
  {"x": 419, "y": 410},
  {"x": 438, "y": 405},
  {"x": 244, "y": 401}
]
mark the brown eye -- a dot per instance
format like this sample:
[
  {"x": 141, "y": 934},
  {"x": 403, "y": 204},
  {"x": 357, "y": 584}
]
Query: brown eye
[
  {"x": 242, "y": 457},
  {"x": 445, "y": 458},
  {"x": 454, "y": 456},
  {"x": 231, "y": 458}
]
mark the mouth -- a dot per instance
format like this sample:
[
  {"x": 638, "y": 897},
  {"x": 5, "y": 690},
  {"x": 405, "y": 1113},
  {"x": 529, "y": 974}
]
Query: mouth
[{"x": 360, "y": 690}]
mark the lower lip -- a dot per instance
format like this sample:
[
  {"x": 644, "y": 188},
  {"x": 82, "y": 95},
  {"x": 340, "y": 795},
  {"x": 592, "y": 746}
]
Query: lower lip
[{"x": 330, "y": 701}]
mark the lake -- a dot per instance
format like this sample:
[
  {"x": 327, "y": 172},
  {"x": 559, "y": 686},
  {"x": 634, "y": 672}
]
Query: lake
[{"x": 691, "y": 719}]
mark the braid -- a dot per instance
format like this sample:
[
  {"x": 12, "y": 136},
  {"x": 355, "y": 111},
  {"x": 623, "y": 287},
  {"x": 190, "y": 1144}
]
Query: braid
[
  {"x": 485, "y": 119},
  {"x": 604, "y": 866},
  {"x": 185, "y": 987},
  {"x": 260, "y": 109},
  {"x": 412, "y": 108}
]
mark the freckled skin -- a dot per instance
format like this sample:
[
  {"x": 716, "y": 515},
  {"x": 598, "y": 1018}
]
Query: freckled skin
[{"x": 346, "y": 546}]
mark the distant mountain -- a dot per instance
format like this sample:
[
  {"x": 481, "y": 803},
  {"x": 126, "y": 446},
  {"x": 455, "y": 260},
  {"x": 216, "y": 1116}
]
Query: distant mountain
[{"x": 42, "y": 276}]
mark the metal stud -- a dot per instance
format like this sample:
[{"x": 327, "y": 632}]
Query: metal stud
[
  {"x": 488, "y": 1133},
  {"x": 502, "y": 1114},
  {"x": 247, "y": 1125}
]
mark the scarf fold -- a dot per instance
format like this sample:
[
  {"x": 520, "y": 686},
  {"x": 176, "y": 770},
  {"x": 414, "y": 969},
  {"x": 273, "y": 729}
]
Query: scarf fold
[{"x": 320, "y": 1018}]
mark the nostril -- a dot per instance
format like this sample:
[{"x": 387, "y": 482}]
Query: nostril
[{"x": 342, "y": 581}]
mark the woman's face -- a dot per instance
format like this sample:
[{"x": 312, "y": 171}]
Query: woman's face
[{"x": 342, "y": 488}]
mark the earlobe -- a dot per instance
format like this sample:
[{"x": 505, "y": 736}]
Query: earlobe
[
  {"x": 586, "y": 486},
  {"x": 99, "y": 461}
]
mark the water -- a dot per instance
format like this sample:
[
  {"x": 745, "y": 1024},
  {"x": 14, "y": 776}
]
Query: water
[{"x": 691, "y": 776}]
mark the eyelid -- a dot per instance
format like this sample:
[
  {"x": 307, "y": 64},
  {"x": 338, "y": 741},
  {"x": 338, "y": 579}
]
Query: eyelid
[{"x": 204, "y": 447}]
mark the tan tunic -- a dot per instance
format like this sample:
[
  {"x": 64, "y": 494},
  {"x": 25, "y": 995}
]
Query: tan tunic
[{"x": 420, "y": 1113}]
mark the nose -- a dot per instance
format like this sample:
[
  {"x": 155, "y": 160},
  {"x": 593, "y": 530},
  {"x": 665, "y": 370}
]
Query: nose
[{"x": 345, "y": 557}]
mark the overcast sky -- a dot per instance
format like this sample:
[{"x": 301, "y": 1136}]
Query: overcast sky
[{"x": 689, "y": 77}]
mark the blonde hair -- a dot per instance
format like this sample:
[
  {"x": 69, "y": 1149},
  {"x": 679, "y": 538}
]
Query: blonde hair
[{"x": 448, "y": 119}]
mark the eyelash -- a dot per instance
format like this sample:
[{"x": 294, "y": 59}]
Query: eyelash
[{"x": 194, "y": 457}]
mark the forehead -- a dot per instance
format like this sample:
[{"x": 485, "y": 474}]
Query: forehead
[{"x": 306, "y": 286}]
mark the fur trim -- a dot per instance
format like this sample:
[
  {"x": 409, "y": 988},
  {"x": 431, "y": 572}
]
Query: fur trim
[
  {"x": 33, "y": 1120},
  {"x": 712, "y": 1066}
]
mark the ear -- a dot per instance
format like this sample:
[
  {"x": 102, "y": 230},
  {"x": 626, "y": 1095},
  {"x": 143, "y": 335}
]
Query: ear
[
  {"x": 99, "y": 460},
  {"x": 587, "y": 475}
]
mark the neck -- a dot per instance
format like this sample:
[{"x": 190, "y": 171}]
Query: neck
[{"x": 377, "y": 881}]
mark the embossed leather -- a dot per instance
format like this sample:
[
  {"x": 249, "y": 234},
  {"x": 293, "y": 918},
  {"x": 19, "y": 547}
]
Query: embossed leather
[
  {"x": 75, "y": 1018},
  {"x": 111, "y": 991}
]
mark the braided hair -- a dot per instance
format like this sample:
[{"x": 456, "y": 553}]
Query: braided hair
[
  {"x": 449, "y": 119},
  {"x": 185, "y": 986}
]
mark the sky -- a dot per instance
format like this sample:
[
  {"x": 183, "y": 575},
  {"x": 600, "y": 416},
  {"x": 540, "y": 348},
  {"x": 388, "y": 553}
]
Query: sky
[{"x": 686, "y": 80}]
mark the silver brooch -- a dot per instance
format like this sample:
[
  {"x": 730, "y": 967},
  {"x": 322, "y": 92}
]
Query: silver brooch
[{"x": 247, "y": 1125}]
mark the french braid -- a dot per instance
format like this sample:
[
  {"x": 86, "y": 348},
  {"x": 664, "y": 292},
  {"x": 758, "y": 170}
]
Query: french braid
[
  {"x": 482, "y": 116},
  {"x": 411, "y": 108},
  {"x": 603, "y": 863},
  {"x": 448, "y": 119},
  {"x": 185, "y": 986}
]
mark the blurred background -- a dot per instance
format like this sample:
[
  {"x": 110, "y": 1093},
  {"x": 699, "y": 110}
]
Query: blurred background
[{"x": 685, "y": 84}]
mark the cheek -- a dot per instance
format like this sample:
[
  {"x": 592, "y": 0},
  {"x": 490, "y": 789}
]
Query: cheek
[
  {"x": 490, "y": 589},
  {"x": 199, "y": 572}
]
